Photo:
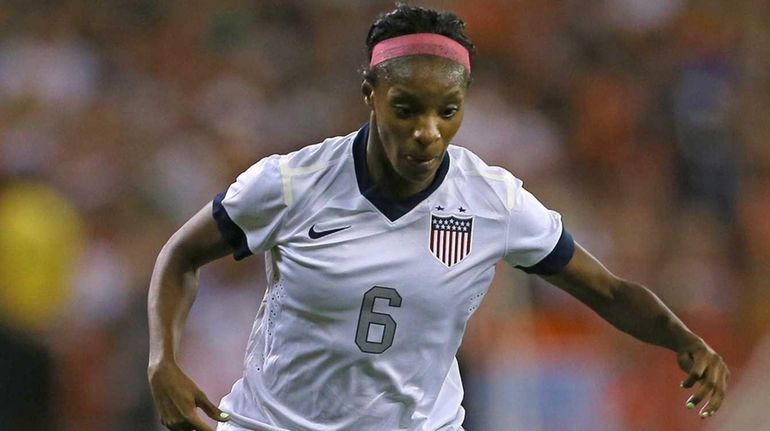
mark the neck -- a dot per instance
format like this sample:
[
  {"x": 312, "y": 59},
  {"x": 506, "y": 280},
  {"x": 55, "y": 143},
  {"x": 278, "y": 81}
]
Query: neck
[{"x": 388, "y": 181}]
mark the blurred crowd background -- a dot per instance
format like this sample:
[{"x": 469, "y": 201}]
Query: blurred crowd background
[{"x": 646, "y": 123}]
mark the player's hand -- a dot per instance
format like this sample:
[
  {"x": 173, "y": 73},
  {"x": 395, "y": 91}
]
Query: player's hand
[
  {"x": 705, "y": 367},
  {"x": 177, "y": 397}
]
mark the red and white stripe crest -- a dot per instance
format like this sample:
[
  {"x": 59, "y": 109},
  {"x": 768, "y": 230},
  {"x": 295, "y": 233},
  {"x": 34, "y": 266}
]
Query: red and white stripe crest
[{"x": 450, "y": 238}]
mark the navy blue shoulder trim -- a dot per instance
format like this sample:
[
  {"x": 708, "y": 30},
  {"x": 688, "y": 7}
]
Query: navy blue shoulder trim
[
  {"x": 557, "y": 259},
  {"x": 231, "y": 232}
]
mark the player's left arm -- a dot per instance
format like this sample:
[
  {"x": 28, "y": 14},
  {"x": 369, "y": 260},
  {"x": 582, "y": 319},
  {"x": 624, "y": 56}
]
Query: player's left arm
[{"x": 634, "y": 309}]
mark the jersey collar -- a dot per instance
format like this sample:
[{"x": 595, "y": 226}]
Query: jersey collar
[{"x": 392, "y": 209}]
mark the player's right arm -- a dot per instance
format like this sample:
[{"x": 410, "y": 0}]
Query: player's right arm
[{"x": 172, "y": 292}]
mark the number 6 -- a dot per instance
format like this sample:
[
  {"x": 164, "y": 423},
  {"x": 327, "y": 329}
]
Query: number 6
[{"x": 369, "y": 317}]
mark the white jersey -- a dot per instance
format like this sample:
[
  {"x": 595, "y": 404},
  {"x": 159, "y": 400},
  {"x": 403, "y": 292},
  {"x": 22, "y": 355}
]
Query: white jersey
[{"x": 368, "y": 298}]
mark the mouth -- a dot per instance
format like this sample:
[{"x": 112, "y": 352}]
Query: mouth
[{"x": 420, "y": 161}]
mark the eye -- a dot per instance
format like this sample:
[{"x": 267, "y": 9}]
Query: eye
[
  {"x": 403, "y": 111},
  {"x": 449, "y": 112}
]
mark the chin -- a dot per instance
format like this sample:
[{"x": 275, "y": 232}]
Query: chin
[{"x": 417, "y": 177}]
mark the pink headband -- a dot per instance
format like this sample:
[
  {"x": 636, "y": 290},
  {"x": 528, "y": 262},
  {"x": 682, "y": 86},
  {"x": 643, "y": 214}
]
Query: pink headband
[{"x": 420, "y": 43}]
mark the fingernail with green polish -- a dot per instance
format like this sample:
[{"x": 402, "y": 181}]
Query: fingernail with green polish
[
  {"x": 224, "y": 416},
  {"x": 690, "y": 405}
]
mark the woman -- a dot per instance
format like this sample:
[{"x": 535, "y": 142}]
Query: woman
[{"x": 379, "y": 247}]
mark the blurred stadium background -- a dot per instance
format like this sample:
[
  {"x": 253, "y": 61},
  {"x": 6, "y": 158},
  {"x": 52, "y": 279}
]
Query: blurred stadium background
[{"x": 645, "y": 122}]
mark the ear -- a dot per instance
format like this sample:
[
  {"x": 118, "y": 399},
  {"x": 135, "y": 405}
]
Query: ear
[{"x": 368, "y": 90}]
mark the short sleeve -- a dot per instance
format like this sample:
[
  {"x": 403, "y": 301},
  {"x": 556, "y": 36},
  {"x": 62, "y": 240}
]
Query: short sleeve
[
  {"x": 536, "y": 240},
  {"x": 250, "y": 212}
]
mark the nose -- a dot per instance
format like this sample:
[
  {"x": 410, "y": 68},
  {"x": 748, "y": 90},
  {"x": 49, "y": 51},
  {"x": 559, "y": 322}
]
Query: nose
[{"x": 426, "y": 132}]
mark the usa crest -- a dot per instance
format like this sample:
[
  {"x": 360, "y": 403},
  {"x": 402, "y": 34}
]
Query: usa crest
[{"x": 450, "y": 238}]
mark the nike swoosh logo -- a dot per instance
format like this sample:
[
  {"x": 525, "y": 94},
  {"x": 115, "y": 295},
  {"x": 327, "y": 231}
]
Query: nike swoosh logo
[{"x": 315, "y": 234}]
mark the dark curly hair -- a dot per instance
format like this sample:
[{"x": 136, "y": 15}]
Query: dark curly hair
[{"x": 405, "y": 20}]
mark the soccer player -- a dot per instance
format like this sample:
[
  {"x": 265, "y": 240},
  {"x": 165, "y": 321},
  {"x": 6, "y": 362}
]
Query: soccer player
[{"x": 379, "y": 246}]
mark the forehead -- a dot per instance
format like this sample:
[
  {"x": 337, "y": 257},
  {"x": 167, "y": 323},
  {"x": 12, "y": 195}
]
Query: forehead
[{"x": 422, "y": 74}]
